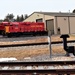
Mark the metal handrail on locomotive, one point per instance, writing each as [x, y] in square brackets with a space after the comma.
[22, 28]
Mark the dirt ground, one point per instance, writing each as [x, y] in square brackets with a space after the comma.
[21, 54]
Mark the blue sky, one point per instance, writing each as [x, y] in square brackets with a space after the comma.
[18, 7]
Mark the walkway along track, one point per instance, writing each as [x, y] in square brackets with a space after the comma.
[47, 67]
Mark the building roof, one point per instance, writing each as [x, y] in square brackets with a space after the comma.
[56, 13]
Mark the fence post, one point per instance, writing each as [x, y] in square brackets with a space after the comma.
[49, 41]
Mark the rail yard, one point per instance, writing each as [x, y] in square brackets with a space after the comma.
[33, 56]
[37, 43]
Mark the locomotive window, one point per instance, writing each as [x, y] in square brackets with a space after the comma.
[27, 24]
[5, 24]
[10, 24]
[16, 25]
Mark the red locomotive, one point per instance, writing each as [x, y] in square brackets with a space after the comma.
[22, 28]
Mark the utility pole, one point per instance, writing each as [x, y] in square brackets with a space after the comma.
[49, 41]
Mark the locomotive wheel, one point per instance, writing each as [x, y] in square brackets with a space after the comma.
[1, 32]
[8, 35]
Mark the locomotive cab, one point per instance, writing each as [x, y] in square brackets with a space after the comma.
[12, 29]
[4, 28]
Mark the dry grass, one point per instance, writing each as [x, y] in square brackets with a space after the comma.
[21, 54]
[57, 38]
[37, 40]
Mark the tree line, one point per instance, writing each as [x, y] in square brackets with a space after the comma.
[10, 18]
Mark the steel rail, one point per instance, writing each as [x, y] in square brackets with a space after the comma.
[31, 44]
[63, 71]
[35, 63]
[38, 71]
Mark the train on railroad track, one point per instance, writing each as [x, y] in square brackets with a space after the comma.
[10, 29]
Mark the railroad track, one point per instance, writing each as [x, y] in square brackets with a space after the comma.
[39, 43]
[37, 68]
[59, 42]
[29, 44]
